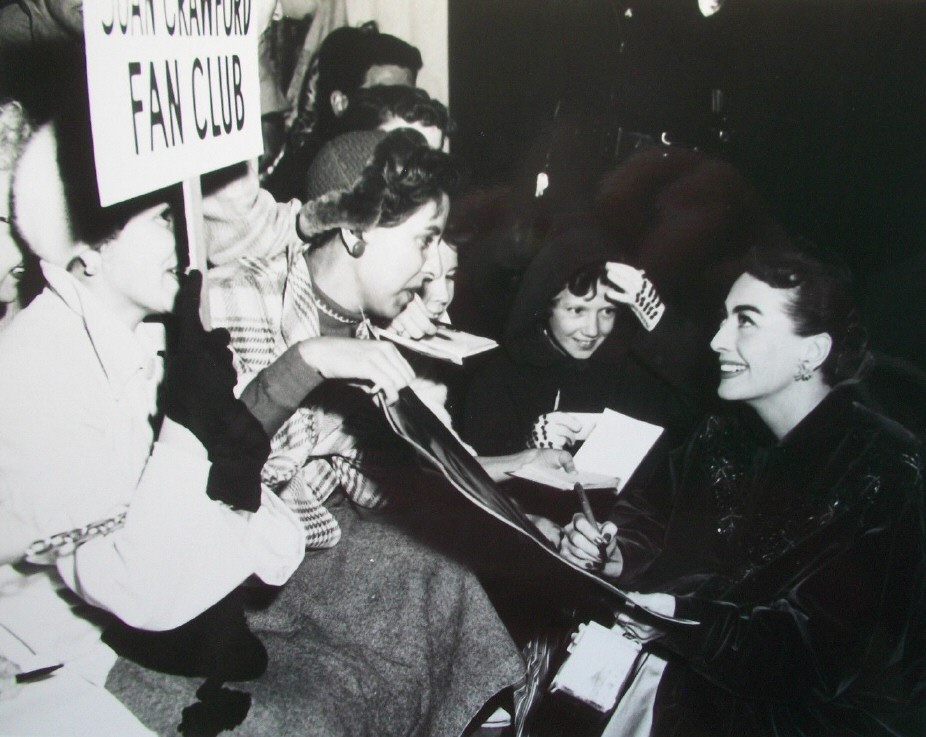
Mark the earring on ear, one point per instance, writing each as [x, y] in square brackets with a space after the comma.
[804, 372]
[355, 244]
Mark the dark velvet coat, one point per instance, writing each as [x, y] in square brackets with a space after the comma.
[803, 562]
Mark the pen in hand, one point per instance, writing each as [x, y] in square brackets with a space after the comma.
[590, 516]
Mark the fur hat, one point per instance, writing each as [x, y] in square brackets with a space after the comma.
[40, 210]
[334, 173]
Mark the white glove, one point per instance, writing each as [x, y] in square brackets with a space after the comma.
[631, 287]
[555, 430]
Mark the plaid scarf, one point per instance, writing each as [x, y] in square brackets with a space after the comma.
[267, 306]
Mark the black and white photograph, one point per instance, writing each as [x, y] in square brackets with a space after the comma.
[462, 368]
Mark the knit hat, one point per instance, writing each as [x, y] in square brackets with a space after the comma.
[335, 172]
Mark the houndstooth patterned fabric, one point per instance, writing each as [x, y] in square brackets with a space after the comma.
[267, 306]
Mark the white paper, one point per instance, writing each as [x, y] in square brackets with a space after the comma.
[559, 479]
[611, 453]
[616, 446]
[600, 661]
[448, 344]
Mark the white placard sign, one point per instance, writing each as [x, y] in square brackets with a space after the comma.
[174, 90]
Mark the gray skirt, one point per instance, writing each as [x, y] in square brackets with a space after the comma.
[378, 636]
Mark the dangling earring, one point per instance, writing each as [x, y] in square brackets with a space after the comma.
[355, 244]
[804, 372]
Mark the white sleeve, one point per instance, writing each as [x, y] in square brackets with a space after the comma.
[179, 552]
[243, 219]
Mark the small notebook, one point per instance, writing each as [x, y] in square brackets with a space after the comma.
[599, 663]
[448, 344]
[609, 456]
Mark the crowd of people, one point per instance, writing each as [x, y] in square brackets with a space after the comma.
[212, 528]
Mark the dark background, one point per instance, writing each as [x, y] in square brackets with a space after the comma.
[824, 113]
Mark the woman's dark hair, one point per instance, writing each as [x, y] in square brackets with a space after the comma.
[404, 175]
[371, 106]
[822, 300]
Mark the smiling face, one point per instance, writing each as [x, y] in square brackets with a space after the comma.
[139, 265]
[581, 324]
[760, 353]
[397, 260]
[437, 293]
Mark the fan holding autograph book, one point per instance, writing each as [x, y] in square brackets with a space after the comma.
[586, 333]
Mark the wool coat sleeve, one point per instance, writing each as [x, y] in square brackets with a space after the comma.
[242, 219]
[178, 552]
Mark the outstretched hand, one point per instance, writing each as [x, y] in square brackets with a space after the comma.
[555, 430]
[376, 365]
[414, 321]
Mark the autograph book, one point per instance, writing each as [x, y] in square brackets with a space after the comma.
[448, 344]
[410, 418]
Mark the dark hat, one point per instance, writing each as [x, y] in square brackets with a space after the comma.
[341, 162]
[334, 173]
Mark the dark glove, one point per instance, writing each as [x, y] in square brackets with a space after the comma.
[217, 644]
[198, 393]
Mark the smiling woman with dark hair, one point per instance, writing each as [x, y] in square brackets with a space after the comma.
[791, 532]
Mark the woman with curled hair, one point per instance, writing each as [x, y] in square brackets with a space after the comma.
[375, 633]
[393, 106]
[789, 530]
[823, 303]
[402, 174]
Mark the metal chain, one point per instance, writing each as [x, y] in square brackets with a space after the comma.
[47, 550]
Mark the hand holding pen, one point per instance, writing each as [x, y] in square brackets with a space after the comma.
[589, 544]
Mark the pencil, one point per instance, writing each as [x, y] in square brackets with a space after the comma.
[586, 505]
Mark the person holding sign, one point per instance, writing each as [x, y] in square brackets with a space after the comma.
[104, 518]
[791, 531]
[376, 633]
